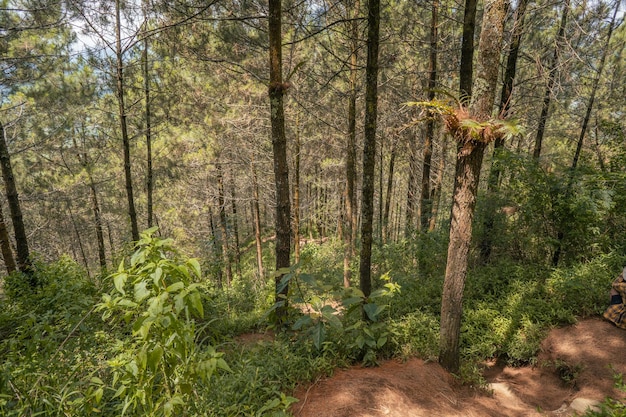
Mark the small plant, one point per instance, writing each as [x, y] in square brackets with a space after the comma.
[154, 372]
[365, 335]
[566, 371]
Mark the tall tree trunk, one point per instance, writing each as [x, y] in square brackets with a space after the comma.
[467, 51]
[119, 53]
[257, 224]
[279, 146]
[411, 191]
[350, 200]
[437, 189]
[95, 208]
[78, 239]
[215, 250]
[392, 162]
[296, 194]
[486, 243]
[552, 71]
[381, 166]
[583, 131]
[369, 148]
[469, 161]
[223, 225]
[5, 245]
[426, 197]
[146, 88]
[21, 242]
[233, 207]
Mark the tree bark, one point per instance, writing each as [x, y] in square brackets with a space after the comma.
[132, 214]
[552, 71]
[148, 114]
[411, 192]
[279, 146]
[296, 194]
[369, 148]
[469, 161]
[381, 166]
[5, 246]
[216, 252]
[21, 242]
[437, 189]
[233, 207]
[257, 224]
[350, 200]
[392, 161]
[78, 239]
[223, 226]
[426, 196]
[467, 51]
[95, 207]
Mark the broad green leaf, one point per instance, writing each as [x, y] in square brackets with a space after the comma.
[120, 391]
[308, 279]
[284, 282]
[381, 341]
[378, 293]
[154, 357]
[276, 305]
[355, 292]
[319, 335]
[138, 257]
[96, 380]
[196, 302]
[120, 280]
[195, 266]
[149, 232]
[350, 301]
[329, 313]
[268, 406]
[316, 302]
[142, 359]
[98, 395]
[141, 292]
[360, 341]
[221, 363]
[372, 311]
[156, 275]
[302, 321]
[176, 287]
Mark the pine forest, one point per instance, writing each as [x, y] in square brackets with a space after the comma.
[349, 181]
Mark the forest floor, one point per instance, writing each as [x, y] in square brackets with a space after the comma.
[575, 368]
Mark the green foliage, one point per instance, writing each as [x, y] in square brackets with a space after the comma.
[154, 355]
[46, 342]
[546, 201]
[357, 321]
[157, 296]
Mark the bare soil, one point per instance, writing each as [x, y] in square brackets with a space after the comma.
[575, 363]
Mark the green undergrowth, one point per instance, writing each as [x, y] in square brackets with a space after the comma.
[157, 338]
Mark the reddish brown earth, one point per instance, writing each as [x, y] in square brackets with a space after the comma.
[587, 354]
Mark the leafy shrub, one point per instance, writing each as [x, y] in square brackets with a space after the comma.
[155, 372]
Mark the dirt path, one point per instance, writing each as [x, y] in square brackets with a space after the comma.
[575, 369]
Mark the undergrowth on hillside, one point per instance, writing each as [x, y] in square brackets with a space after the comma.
[158, 338]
